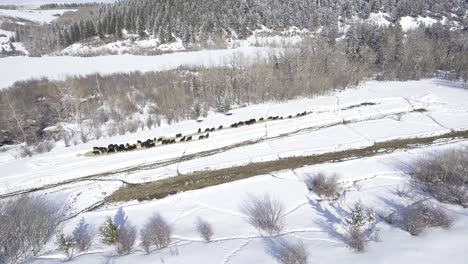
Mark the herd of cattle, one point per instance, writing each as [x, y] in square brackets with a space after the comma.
[202, 134]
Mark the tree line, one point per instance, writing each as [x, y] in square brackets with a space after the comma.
[117, 103]
[213, 22]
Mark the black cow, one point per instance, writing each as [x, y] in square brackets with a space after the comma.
[199, 130]
[96, 152]
[289, 116]
[182, 139]
[178, 135]
[160, 139]
[220, 127]
[261, 119]
[189, 138]
[207, 130]
[207, 135]
[173, 141]
[201, 137]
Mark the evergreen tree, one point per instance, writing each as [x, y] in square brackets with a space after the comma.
[100, 30]
[141, 25]
[118, 29]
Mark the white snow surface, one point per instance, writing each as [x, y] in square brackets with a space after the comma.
[305, 219]
[409, 23]
[22, 68]
[371, 180]
[321, 131]
[379, 18]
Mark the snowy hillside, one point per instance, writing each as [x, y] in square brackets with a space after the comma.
[376, 112]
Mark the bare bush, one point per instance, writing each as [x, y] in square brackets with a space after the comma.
[132, 126]
[323, 185]
[97, 133]
[420, 215]
[264, 213]
[149, 122]
[83, 235]
[122, 128]
[26, 224]
[155, 232]
[286, 252]
[356, 238]
[25, 151]
[205, 229]
[443, 174]
[45, 146]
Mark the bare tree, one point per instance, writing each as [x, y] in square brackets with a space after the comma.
[264, 213]
[15, 115]
[126, 239]
[156, 232]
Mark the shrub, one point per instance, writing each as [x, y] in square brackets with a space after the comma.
[323, 185]
[26, 224]
[45, 146]
[442, 174]
[109, 232]
[97, 133]
[287, 252]
[149, 122]
[126, 239]
[420, 215]
[356, 238]
[205, 229]
[132, 126]
[361, 227]
[157, 232]
[66, 244]
[264, 213]
[361, 216]
[83, 235]
[25, 151]
[119, 232]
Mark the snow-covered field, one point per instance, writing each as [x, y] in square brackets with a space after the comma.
[354, 118]
[39, 16]
[235, 241]
[23, 68]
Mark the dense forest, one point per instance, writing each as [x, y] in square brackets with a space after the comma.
[120, 103]
[209, 23]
